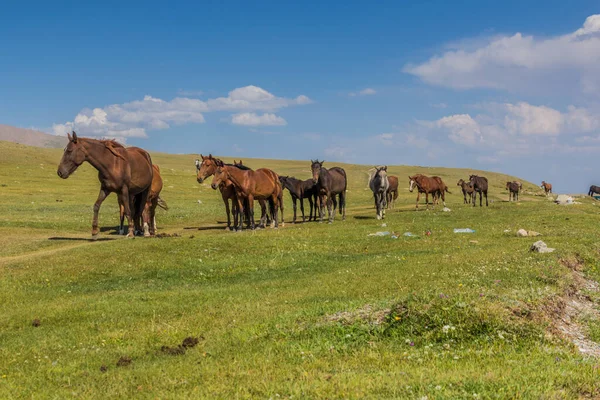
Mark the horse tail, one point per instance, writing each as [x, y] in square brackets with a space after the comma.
[343, 196]
[395, 194]
[447, 191]
[162, 204]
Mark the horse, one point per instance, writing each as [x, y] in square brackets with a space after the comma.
[153, 200]
[262, 184]
[513, 190]
[443, 188]
[379, 185]
[330, 183]
[547, 187]
[480, 185]
[392, 192]
[124, 171]
[594, 190]
[300, 190]
[208, 167]
[467, 188]
[427, 185]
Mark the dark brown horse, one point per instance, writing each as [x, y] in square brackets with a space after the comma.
[300, 190]
[480, 185]
[262, 184]
[513, 190]
[466, 188]
[149, 213]
[427, 185]
[547, 187]
[125, 171]
[329, 184]
[594, 190]
[392, 192]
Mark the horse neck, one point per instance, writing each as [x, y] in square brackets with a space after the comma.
[235, 175]
[96, 155]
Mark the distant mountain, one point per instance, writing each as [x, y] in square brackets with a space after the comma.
[31, 137]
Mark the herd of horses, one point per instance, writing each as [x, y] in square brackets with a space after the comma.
[130, 173]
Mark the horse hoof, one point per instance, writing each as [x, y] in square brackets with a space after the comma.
[95, 236]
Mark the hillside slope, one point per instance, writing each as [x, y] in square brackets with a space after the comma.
[30, 137]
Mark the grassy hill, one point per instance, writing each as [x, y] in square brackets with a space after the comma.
[307, 311]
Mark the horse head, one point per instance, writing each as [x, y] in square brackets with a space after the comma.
[205, 168]
[73, 156]
[219, 176]
[315, 167]
[412, 180]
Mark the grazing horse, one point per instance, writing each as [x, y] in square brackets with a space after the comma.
[262, 184]
[125, 171]
[300, 190]
[594, 190]
[392, 192]
[153, 200]
[427, 185]
[329, 183]
[513, 190]
[467, 188]
[379, 185]
[547, 187]
[480, 185]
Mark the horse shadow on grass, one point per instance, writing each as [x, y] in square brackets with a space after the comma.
[60, 238]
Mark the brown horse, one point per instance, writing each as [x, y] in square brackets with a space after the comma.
[125, 171]
[392, 192]
[513, 190]
[262, 184]
[443, 188]
[300, 190]
[547, 187]
[480, 185]
[427, 185]
[153, 200]
[466, 189]
[330, 183]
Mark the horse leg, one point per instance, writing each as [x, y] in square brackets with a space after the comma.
[121, 218]
[294, 198]
[486, 199]
[251, 211]
[141, 200]
[124, 195]
[302, 209]
[101, 196]
[418, 197]
[330, 201]
[343, 204]
[275, 209]
[310, 215]
[226, 195]
[265, 217]
[153, 216]
[427, 200]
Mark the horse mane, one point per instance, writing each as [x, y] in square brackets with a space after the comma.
[112, 145]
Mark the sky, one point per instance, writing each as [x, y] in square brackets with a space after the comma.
[509, 86]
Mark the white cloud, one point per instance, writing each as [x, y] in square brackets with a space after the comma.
[533, 120]
[520, 62]
[337, 152]
[133, 119]
[252, 119]
[364, 92]
[463, 129]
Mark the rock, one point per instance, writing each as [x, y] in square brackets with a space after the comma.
[522, 233]
[446, 209]
[199, 201]
[563, 199]
[541, 247]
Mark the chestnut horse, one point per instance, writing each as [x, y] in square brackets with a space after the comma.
[330, 183]
[547, 187]
[392, 192]
[467, 188]
[262, 184]
[427, 185]
[125, 171]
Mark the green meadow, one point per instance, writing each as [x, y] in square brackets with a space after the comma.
[305, 311]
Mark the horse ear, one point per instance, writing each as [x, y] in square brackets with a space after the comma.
[74, 137]
[69, 137]
[385, 168]
[241, 162]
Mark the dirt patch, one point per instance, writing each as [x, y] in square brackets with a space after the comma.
[188, 343]
[36, 322]
[167, 235]
[367, 313]
[565, 311]
[173, 351]
[124, 361]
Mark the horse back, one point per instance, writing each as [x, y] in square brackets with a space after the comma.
[338, 179]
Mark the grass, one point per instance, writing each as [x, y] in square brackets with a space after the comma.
[443, 316]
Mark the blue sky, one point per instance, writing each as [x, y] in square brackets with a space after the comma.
[505, 86]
